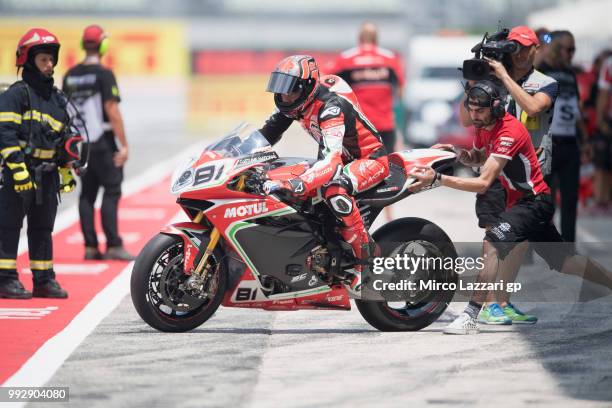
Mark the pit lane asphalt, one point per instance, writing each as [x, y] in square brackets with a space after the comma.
[252, 358]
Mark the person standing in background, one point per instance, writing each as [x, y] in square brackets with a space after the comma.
[602, 139]
[94, 91]
[543, 35]
[567, 129]
[376, 75]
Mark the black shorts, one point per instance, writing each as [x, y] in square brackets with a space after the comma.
[530, 219]
[490, 204]
[388, 139]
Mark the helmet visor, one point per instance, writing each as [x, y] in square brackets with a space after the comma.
[281, 83]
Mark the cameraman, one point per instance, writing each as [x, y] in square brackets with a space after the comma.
[531, 99]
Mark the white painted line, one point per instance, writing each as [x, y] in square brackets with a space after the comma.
[141, 213]
[44, 363]
[26, 313]
[76, 238]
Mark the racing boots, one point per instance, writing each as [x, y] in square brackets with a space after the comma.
[369, 250]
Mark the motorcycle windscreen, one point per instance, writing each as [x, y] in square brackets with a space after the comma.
[281, 83]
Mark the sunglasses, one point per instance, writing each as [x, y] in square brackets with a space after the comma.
[569, 49]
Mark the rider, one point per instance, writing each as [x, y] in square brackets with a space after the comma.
[351, 158]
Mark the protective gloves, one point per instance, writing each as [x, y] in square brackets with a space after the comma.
[67, 181]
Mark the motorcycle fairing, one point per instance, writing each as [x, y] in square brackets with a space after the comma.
[193, 235]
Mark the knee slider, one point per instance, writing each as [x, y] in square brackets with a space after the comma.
[341, 205]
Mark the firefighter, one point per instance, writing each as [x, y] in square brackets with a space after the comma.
[34, 127]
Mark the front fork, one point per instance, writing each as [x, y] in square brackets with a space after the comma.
[202, 268]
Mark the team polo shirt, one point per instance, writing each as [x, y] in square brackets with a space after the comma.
[510, 140]
[373, 73]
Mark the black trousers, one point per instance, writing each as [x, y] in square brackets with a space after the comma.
[101, 172]
[41, 218]
[565, 176]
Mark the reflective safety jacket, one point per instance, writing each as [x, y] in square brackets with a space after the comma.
[30, 126]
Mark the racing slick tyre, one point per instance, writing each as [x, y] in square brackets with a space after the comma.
[158, 286]
[414, 236]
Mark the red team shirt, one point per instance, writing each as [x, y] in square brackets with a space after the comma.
[373, 73]
[510, 140]
[605, 83]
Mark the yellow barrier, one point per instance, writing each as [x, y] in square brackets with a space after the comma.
[137, 47]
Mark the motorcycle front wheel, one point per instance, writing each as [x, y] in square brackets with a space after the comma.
[158, 287]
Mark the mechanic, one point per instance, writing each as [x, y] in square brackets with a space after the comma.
[567, 128]
[602, 138]
[94, 90]
[351, 157]
[34, 127]
[502, 146]
[531, 99]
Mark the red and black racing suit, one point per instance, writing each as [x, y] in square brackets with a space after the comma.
[351, 156]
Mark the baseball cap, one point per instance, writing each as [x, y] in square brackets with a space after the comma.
[523, 35]
[93, 34]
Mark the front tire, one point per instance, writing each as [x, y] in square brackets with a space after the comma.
[412, 316]
[155, 290]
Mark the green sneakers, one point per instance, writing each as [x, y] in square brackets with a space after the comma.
[517, 316]
[493, 314]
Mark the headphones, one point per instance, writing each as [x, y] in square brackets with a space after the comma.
[497, 107]
[103, 43]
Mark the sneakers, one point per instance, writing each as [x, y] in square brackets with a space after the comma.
[92, 254]
[11, 288]
[118, 254]
[464, 324]
[493, 314]
[49, 289]
[518, 317]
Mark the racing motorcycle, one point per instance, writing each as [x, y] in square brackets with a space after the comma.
[243, 248]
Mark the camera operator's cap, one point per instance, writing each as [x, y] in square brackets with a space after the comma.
[524, 36]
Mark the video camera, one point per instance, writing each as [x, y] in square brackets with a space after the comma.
[494, 46]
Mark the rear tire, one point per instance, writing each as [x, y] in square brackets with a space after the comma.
[154, 287]
[412, 317]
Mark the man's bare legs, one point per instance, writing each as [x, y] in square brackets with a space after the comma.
[508, 271]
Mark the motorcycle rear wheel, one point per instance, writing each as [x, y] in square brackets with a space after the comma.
[413, 316]
[155, 290]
